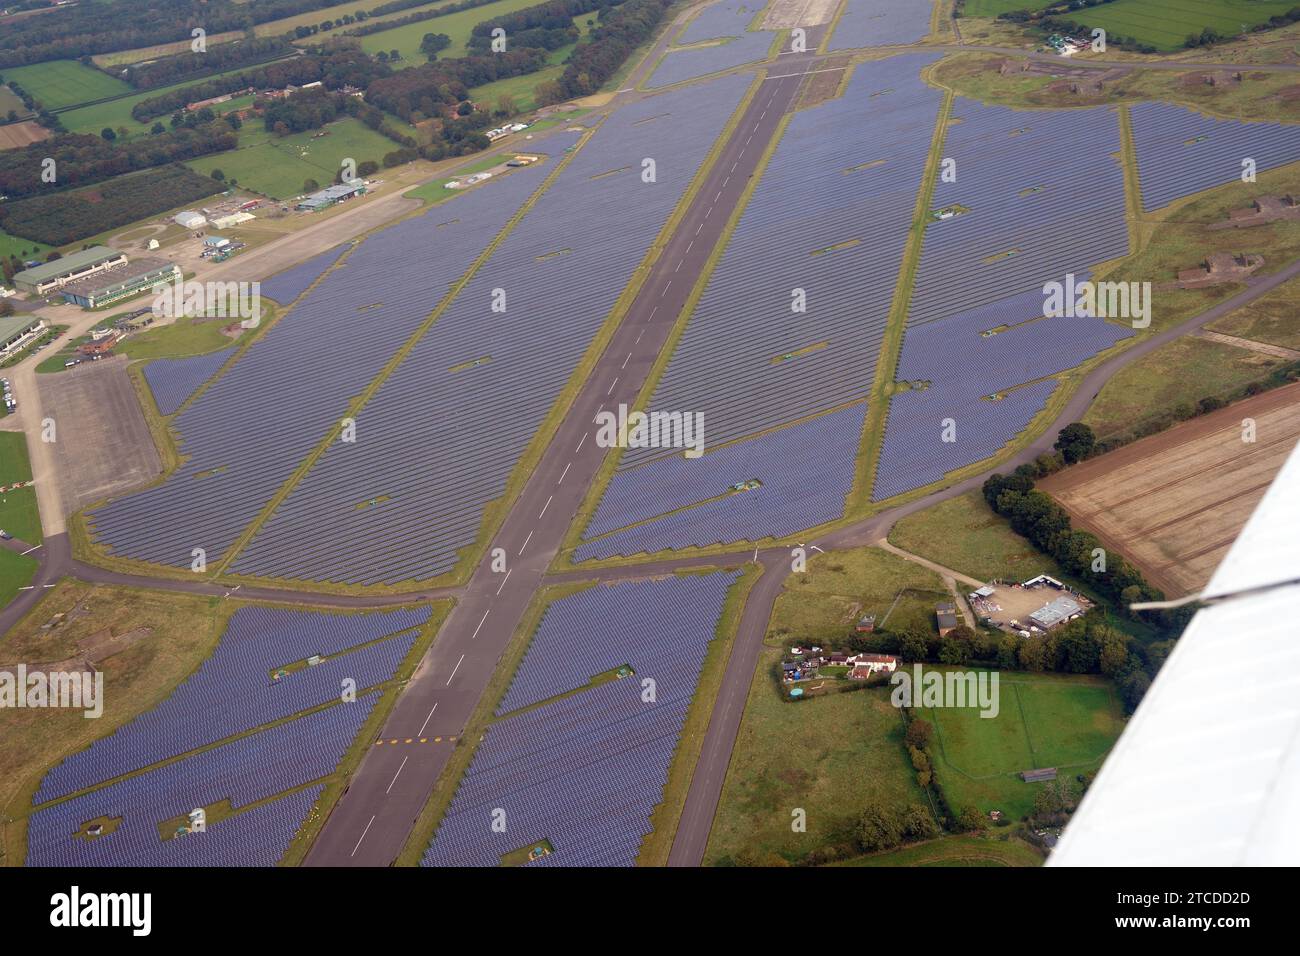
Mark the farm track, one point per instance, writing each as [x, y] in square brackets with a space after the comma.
[372, 820]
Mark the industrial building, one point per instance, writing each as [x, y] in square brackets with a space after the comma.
[1055, 612]
[331, 195]
[120, 282]
[190, 219]
[74, 266]
[17, 332]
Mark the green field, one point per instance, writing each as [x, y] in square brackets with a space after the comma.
[61, 83]
[991, 8]
[433, 192]
[1181, 372]
[15, 573]
[1165, 24]
[278, 167]
[1270, 318]
[1044, 720]
[117, 113]
[9, 101]
[19, 515]
[842, 586]
[828, 756]
[22, 248]
[962, 850]
[182, 337]
[406, 39]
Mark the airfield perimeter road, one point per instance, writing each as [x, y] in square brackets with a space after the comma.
[371, 822]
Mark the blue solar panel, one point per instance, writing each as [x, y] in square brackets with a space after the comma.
[234, 691]
[586, 771]
[1180, 151]
[172, 381]
[286, 286]
[243, 772]
[881, 23]
[440, 438]
[805, 470]
[680, 65]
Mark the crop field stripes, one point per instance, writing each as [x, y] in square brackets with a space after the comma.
[1181, 152]
[578, 765]
[315, 348]
[470, 433]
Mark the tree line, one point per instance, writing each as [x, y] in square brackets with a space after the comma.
[169, 70]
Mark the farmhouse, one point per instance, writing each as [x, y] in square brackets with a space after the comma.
[864, 665]
[72, 267]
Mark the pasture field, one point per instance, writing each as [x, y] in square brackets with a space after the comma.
[18, 512]
[159, 50]
[117, 113]
[406, 39]
[16, 572]
[58, 84]
[959, 850]
[1173, 503]
[1184, 371]
[839, 587]
[184, 337]
[964, 533]
[279, 166]
[1165, 24]
[22, 248]
[1270, 319]
[827, 755]
[1044, 720]
[992, 8]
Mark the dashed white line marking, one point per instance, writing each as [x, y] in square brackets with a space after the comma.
[435, 706]
[611, 387]
[522, 546]
[580, 441]
[501, 585]
[471, 637]
[698, 228]
[638, 337]
[679, 266]
[566, 467]
[396, 775]
[363, 836]
[544, 507]
[629, 354]
[734, 165]
[30, 550]
[462, 657]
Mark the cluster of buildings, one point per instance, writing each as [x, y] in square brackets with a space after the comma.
[19, 331]
[805, 663]
[506, 130]
[1005, 607]
[332, 195]
[95, 277]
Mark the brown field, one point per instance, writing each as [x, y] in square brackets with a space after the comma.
[14, 135]
[1173, 503]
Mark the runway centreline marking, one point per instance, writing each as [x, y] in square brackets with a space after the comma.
[396, 775]
[435, 703]
[504, 580]
[471, 637]
[363, 835]
[461, 661]
[566, 467]
[544, 507]
[524, 545]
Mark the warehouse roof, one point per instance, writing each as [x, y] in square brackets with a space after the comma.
[15, 325]
[115, 276]
[69, 263]
[1053, 613]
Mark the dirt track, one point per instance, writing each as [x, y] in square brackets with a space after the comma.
[1174, 503]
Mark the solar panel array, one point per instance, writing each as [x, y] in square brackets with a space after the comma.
[1180, 151]
[246, 433]
[233, 690]
[286, 286]
[680, 65]
[806, 471]
[607, 626]
[172, 381]
[243, 771]
[963, 368]
[442, 435]
[725, 18]
[881, 23]
[843, 172]
[585, 771]
[1045, 195]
